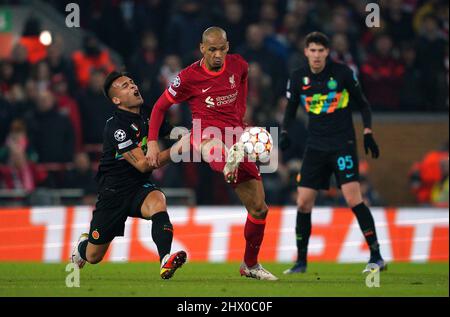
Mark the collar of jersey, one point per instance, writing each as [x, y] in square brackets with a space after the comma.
[202, 64]
[127, 113]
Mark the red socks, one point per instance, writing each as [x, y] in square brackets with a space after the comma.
[254, 234]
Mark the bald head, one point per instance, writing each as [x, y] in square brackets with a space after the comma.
[214, 33]
[214, 48]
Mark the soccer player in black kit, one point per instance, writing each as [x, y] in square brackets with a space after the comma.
[324, 89]
[123, 180]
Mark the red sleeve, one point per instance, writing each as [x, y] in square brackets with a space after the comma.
[156, 118]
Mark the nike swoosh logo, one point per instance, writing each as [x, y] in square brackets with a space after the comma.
[205, 90]
[349, 175]
[306, 87]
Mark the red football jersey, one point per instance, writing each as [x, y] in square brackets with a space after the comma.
[217, 98]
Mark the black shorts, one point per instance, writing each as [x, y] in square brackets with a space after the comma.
[318, 167]
[112, 210]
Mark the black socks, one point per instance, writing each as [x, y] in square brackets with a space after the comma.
[303, 232]
[162, 233]
[367, 225]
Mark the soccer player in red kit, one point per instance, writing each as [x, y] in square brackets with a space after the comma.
[216, 90]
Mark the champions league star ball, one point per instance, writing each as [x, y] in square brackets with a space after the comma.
[257, 143]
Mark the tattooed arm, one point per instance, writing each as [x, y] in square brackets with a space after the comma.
[136, 158]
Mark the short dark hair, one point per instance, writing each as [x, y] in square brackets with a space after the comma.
[317, 38]
[109, 80]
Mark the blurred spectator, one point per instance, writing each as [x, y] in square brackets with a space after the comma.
[439, 192]
[6, 76]
[41, 75]
[91, 58]
[68, 106]
[412, 94]
[431, 54]
[36, 51]
[169, 70]
[118, 26]
[429, 7]
[6, 117]
[60, 65]
[21, 65]
[95, 109]
[233, 23]
[382, 76]
[260, 96]
[17, 161]
[304, 13]
[82, 176]
[399, 21]
[151, 15]
[16, 96]
[177, 114]
[297, 58]
[340, 52]
[428, 176]
[185, 29]
[144, 67]
[50, 132]
[370, 195]
[255, 51]
[341, 24]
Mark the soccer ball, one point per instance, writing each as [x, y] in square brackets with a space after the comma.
[257, 143]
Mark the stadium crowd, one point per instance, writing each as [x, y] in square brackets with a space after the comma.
[52, 110]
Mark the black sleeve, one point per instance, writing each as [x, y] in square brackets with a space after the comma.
[293, 96]
[357, 95]
[122, 138]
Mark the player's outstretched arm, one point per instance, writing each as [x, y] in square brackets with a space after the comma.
[137, 158]
[156, 119]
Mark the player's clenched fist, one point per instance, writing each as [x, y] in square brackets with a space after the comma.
[152, 154]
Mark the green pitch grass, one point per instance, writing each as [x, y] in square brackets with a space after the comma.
[221, 280]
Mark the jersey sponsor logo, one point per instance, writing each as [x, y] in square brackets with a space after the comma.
[205, 90]
[225, 100]
[210, 102]
[306, 87]
[221, 100]
[329, 103]
[232, 82]
[176, 82]
[120, 135]
[125, 144]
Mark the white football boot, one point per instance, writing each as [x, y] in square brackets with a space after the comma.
[76, 258]
[235, 156]
[257, 272]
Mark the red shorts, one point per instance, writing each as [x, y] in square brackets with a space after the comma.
[247, 170]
